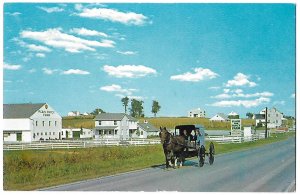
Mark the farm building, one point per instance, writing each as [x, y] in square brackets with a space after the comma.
[114, 125]
[74, 113]
[30, 122]
[76, 133]
[196, 113]
[220, 117]
[144, 130]
[233, 115]
[274, 118]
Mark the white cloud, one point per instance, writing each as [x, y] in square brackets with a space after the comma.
[40, 55]
[128, 71]
[32, 70]
[32, 47]
[49, 71]
[78, 7]
[293, 95]
[279, 102]
[214, 88]
[127, 52]
[238, 94]
[11, 66]
[129, 18]
[37, 48]
[87, 32]
[57, 39]
[13, 14]
[51, 9]
[118, 89]
[199, 75]
[240, 80]
[75, 71]
[245, 103]
[130, 96]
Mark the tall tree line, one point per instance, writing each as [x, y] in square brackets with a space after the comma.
[137, 108]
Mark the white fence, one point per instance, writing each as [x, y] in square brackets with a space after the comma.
[234, 139]
[68, 144]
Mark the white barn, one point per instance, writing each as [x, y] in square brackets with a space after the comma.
[220, 117]
[30, 122]
[196, 113]
[76, 133]
[144, 130]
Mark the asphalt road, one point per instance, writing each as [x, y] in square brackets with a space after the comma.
[270, 168]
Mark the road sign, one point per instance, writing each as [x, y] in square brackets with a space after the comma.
[236, 127]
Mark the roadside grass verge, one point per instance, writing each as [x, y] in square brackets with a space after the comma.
[34, 169]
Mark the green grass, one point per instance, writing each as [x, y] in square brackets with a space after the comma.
[29, 170]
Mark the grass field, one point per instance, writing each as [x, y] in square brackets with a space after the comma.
[30, 170]
[169, 122]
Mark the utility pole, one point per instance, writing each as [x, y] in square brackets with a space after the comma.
[266, 123]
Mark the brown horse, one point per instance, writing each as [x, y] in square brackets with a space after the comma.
[173, 147]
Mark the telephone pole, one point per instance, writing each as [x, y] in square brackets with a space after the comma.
[266, 123]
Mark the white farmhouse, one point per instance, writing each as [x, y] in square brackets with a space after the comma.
[274, 118]
[220, 117]
[196, 113]
[114, 125]
[30, 122]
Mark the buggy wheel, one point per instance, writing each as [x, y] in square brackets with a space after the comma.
[201, 156]
[211, 153]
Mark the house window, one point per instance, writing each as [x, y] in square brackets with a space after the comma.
[49, 133]
[36, 123]
[115, 122]
[49, 123]
[109, 132]
[37, 134]
[45, 133]
[43, 123]
[116, 132]
[53, 133]
[42, 134]
[55, 123]
[62, 133]
[142, 132]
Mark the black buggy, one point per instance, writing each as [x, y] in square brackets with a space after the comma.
[192, 149]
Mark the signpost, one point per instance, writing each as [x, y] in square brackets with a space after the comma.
[236, 127]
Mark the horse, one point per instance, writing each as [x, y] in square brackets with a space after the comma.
[173, 147]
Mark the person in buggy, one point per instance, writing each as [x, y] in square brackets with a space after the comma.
[197, 139]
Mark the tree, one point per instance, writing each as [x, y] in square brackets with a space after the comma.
[97, 111]
[155, 107]
[125, 101]
[137, 109]
[249, 115]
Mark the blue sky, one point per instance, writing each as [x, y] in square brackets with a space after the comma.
[219, 57]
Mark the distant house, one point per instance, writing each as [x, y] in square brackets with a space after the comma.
[274, 118]
[114, 125]
[76, 133]
[144, 130]
[196, 113]
[233, 115]
[74, 113]
[30, 122]
[220, 117]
